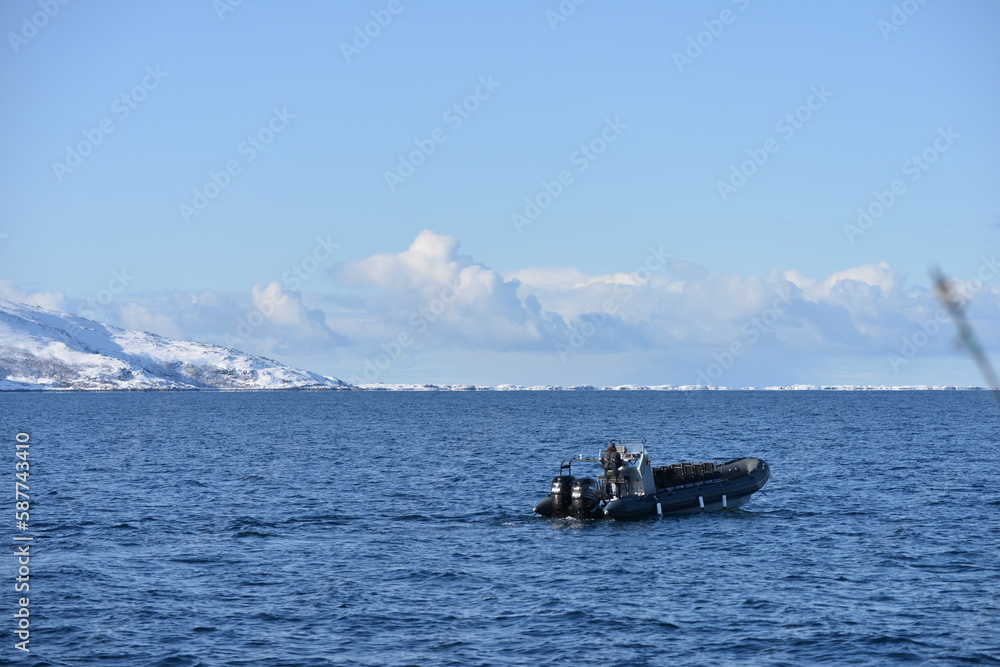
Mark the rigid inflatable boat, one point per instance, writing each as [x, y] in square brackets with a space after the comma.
[633, 488]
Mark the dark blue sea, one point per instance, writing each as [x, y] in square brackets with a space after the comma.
[371, 528]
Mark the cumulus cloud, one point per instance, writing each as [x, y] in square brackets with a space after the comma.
[660, 303]
[860, 310]
[287, 315]
[662, 307]
[440, 294]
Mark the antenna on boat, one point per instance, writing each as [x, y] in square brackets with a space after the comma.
[953, 304]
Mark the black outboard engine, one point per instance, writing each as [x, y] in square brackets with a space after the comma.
[562, 490]
[586, 497]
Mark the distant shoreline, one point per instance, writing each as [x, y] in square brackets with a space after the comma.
[499, 388]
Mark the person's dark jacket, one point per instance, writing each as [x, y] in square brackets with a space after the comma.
[611, 459]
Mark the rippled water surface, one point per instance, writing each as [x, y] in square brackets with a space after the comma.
[369, 528]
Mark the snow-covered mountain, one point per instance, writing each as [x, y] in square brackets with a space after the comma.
[45, 349]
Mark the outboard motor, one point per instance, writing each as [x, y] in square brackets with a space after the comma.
[562, 490]
[586, 497]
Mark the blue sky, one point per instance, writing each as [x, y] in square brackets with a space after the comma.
[597, 193]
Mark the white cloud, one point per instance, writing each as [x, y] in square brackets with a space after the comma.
[674, 314]
[863, 310]
[441, 295]
[51, 300]
[678, 303]
[287, 316]
[142, 318]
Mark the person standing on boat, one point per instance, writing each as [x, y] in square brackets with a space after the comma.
[611, 459]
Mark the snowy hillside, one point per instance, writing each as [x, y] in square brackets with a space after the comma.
[45, 349]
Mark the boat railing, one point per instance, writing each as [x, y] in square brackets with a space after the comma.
[617, 485]
[611, 484]
[566, 465]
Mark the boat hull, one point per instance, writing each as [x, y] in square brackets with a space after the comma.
[719, 494]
